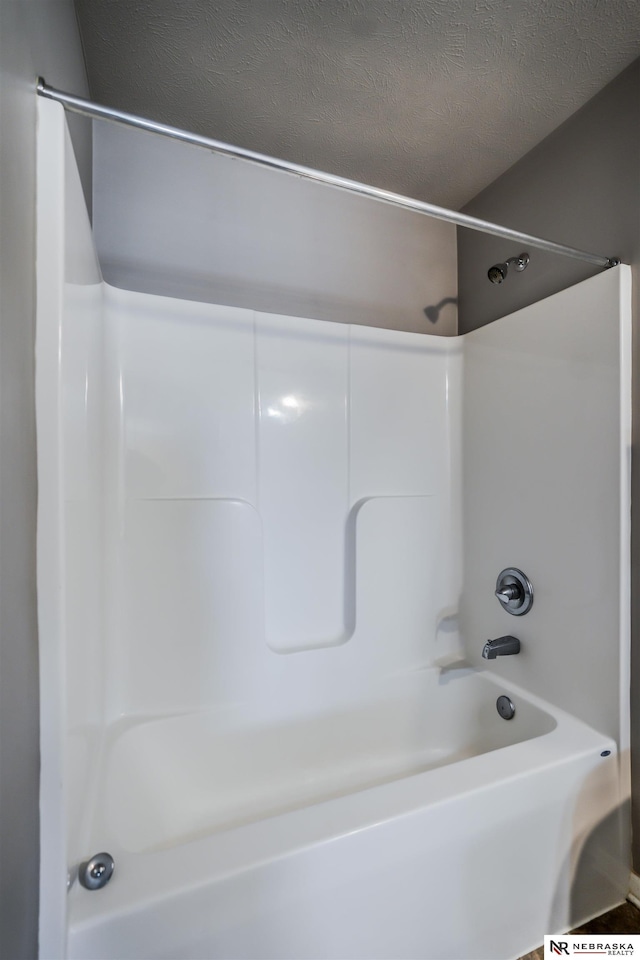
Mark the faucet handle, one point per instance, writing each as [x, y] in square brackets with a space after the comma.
[514, 591]
[509, 591]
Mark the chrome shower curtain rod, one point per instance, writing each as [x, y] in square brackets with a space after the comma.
[94, 110]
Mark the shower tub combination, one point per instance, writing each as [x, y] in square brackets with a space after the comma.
[262, 685]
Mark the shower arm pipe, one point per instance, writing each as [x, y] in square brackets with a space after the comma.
[96, 111]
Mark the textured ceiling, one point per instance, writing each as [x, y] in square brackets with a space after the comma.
[432, 98]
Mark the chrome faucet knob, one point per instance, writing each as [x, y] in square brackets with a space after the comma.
[510, 591]
[514, 591]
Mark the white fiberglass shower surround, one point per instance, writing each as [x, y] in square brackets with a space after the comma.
[268, 548]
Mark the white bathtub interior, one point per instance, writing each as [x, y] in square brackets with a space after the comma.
[254, 556]
[174, 779]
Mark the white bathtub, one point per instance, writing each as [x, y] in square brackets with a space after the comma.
[359, 834]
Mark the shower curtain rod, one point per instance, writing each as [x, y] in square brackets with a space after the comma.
[98, 112]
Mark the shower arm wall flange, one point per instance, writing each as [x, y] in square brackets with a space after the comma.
[518, 263]
[96, 111]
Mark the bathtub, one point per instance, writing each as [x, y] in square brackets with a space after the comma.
[378, 831]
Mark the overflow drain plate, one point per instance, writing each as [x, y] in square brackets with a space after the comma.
[505, 708]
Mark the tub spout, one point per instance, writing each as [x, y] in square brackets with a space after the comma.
[502, 647]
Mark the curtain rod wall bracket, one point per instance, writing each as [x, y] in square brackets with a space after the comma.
[96, 111]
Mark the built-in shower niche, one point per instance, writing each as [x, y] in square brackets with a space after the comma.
[284, 488]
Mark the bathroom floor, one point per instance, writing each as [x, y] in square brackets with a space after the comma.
[622, 919]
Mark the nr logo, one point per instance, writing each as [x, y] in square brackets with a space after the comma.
[559, 947]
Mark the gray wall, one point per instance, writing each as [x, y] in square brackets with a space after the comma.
[580, 186]
[175, 220]
[36, 36]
